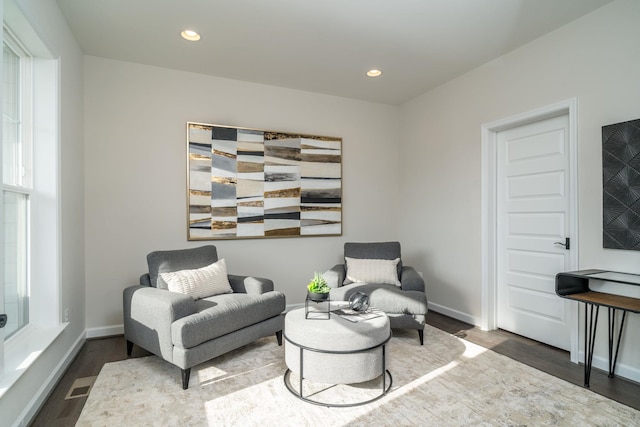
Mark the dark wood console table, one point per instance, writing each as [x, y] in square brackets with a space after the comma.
[574, 285]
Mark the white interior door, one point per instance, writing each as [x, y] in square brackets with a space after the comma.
[533, 214]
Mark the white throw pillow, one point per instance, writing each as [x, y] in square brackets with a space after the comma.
[373, 270]
[200, 283]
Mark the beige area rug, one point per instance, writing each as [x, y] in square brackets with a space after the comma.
[448, 382]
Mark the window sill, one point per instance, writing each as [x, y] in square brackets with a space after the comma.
[21, 351]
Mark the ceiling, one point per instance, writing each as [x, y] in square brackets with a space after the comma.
[321, 46]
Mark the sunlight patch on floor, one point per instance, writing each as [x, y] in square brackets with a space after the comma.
[472, 350]
[425, 378]
[213, 374]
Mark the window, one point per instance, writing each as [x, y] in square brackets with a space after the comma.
[29, 206]
[16, 182]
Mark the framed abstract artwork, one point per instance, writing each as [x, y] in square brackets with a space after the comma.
[250, 183]
[621, 185]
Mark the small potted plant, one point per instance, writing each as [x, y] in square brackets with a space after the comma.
[317, 289]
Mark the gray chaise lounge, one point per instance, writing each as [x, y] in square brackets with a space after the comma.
[406, 305]
[187, 332]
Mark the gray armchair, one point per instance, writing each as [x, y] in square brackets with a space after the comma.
[187, 332]
[406, 305]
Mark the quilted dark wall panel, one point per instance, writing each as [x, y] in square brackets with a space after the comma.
[621, 185]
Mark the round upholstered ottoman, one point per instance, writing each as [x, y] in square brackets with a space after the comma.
[336, 350]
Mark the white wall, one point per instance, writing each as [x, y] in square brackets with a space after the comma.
[135, 133]
[20, 402]
[594, 59]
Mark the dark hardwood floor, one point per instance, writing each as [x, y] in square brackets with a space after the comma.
[58, 411]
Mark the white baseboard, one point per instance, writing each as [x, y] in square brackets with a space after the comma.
[31, 410]
[622, 370]
[105, 331]
[459, 315]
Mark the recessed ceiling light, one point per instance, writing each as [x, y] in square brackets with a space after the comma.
[190, 35]
[374, 73]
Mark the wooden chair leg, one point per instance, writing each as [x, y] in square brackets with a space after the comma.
[129, 348]
[421, 335]
[186, 373]
[279, 337]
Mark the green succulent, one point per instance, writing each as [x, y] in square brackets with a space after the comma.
[318, 285]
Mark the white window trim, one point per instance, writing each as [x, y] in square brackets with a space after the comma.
[46, 323]
[26, 116]
[24, 186]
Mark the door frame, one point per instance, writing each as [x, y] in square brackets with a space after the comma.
[489, 208]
